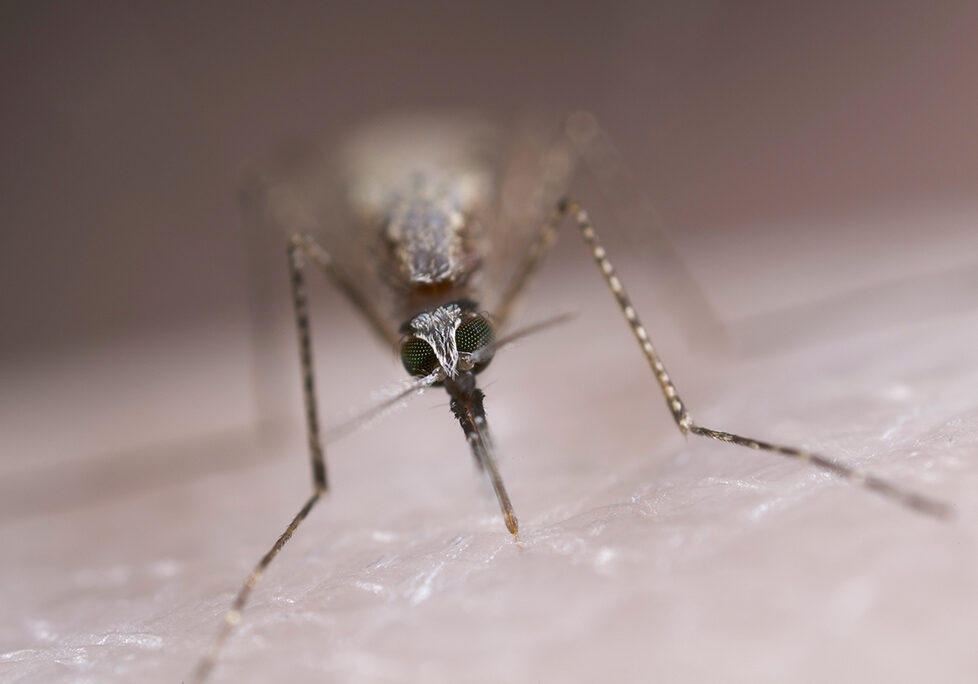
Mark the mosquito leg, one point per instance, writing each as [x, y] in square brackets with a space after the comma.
[233, 616]
[297, 249]
[344, 284]
[296, 252]
[677, 408]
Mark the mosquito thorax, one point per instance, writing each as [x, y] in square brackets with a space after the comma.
[453, 338]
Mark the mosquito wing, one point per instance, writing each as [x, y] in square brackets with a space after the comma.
[299, 191]
[538, 165]
[544, 160]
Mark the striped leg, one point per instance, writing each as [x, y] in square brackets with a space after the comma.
[233, 616]
[299, 247]
[680, 415]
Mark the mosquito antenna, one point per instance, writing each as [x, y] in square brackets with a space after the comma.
[491, 349]
[412, 388]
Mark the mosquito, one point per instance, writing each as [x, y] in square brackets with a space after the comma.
[431, 225]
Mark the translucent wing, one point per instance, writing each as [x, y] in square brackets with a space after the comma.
[299, 190]
[648, 240]
[539, 163]
[543, 161]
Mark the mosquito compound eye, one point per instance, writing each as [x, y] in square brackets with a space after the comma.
[474, 334]
[418, 357]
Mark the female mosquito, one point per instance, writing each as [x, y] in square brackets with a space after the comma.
[432, 224]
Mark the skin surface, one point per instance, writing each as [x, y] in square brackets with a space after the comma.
[643, 554]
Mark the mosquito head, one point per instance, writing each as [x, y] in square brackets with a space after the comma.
[452, 339]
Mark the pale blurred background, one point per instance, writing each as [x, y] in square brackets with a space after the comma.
[815, 163]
